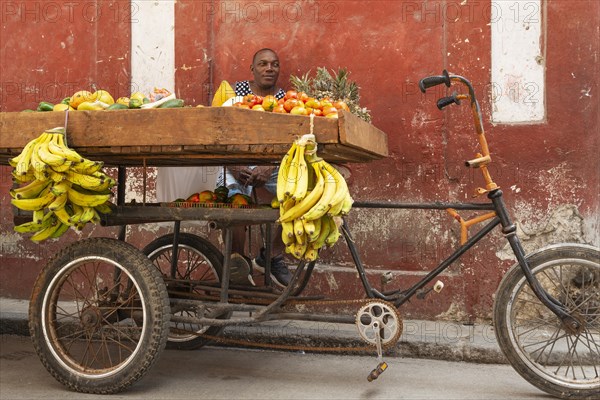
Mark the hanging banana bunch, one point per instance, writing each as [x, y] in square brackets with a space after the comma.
[311, 193]
[60, 187]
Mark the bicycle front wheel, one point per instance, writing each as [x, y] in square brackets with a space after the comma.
[564, 364]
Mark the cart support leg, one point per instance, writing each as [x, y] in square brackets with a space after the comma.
[226, 266]
[175, 255]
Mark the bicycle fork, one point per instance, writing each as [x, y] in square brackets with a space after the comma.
[509, 229]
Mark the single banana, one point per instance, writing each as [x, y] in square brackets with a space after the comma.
[28, 227]
[38, 166]
[85, 181]
[311, 253]
[28, 177]
[341, 187]
[87, 215]
[63, 215]
[299, 232]
[317, 231]
[59, 202]
[60, 188]
[87, 167]
[57, 146]
[24, 159]
[322, 206]
[76, 215]
[334, 233]
[46, 233]
[56, 177]
[60, 230]
[38, 216]
[64, 167]
[299, 249]
[86, 200]
[291, 177]
[48, 157]
[32, 226]
[323, 233]
[37, 203]
[287, 233]
[283, 171]
[336, 209]
[346, 205]
[310, 230]
[308, 202]
[30, 191]
[301, 177]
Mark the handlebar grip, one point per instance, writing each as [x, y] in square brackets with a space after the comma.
[435, 80]
[446, 101]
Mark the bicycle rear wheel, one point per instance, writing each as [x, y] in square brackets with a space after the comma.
[198, 261]
[564, 364]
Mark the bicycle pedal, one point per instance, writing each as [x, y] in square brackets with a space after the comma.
[377, 371]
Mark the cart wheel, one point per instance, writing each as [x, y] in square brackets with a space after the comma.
[99, 315]
[198, 261]
[564, 364]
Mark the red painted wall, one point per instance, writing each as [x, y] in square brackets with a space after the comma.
[387, 46]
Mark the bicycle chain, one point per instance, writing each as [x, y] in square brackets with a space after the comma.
[258, 344]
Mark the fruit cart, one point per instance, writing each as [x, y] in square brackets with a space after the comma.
[102, 311]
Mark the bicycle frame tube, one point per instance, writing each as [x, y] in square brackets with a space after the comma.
[399, 297]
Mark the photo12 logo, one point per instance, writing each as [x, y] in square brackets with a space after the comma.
[67, 11]
[269, 11]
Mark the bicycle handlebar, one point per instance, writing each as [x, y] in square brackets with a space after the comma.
[435, 80]
[483, 159]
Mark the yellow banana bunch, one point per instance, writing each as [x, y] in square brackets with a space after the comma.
[55, 180]
[312, 195]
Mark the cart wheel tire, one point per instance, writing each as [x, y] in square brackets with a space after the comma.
[565, 365]
[99, 316]
[198, 260]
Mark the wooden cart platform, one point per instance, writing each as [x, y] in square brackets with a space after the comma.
[193, 136]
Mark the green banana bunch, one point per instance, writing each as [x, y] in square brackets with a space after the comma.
[61, 188]
[312, 196]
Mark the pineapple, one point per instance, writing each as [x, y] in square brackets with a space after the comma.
[336, 86]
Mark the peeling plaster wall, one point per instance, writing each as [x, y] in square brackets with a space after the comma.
[549, 171]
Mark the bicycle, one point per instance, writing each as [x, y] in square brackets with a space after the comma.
[101, 310]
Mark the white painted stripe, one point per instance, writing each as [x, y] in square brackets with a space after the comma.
[153, 45]
[518, 63]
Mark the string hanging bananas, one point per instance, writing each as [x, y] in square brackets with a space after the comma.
[313, 196]
[61, 188]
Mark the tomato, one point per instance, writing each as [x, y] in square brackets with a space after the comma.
[279, 109]
[258, 107]
[257, 100]
[248, 99]
[291, 94]
[313, 103]
[299, 110]
[332, 115]
[269, 102]
[318, 112]
[289, 104]
[246, 106]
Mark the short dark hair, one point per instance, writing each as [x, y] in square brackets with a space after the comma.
[260, 51]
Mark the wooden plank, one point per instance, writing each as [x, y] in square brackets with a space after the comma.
[361, 135]
[239, 136]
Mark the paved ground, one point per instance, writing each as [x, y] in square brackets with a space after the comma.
[219, 373]
[420, 339]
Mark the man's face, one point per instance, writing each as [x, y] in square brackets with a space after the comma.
[265, 68]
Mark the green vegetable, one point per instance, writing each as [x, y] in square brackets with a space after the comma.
[174, 103]
[117, 106]
[45, 106]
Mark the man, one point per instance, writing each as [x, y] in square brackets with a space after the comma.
[265, 71]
